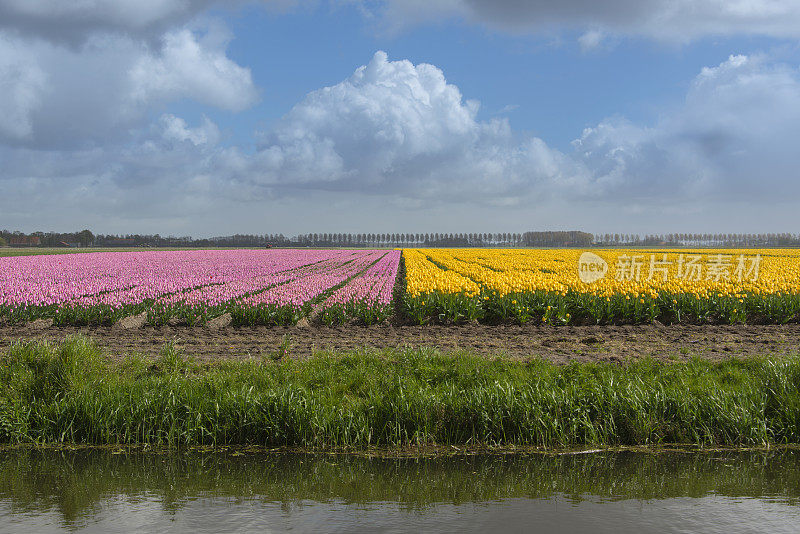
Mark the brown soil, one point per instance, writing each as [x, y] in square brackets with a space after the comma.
[132, 321]
[557, 344]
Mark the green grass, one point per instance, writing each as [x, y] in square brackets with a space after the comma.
[72, 393]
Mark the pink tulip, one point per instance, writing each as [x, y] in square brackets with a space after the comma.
[197, 278]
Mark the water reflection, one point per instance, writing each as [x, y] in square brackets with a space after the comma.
[100, 491]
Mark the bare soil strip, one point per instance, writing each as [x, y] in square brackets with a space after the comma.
[556, 344]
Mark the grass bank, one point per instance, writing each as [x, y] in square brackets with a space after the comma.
[72, 393]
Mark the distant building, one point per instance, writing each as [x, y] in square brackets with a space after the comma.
[24, 241]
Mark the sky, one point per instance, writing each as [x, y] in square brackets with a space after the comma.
[204, 118]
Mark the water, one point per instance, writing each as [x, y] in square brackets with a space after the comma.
[100, 491]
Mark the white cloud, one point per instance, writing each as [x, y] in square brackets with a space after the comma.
[398, 134]
[175, 129]
[59, 97]
[192, 67]
[395, 128]
[508, 108]
[661, 19]
[733, 138]
[591, 40]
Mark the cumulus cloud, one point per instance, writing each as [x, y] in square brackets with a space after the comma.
[661, 19]
[400, 134]
[192, 68]
[59, 97]
[395, 127]
[732, 138]
[164, 173]
[175, 129]
[91, 72]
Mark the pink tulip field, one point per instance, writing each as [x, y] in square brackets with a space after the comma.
[349, 302]
[192, 287]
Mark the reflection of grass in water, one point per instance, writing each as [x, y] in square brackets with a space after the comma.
[76, 483]
[73, 393]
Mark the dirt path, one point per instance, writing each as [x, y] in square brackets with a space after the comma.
[558, 344]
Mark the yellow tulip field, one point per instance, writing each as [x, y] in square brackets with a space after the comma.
[602, 286]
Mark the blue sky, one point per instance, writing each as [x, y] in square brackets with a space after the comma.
[446, 115]
[554, 86]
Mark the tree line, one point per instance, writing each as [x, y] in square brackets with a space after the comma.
[82, 238]
[411, 239]
[700, 240]
[86, 238]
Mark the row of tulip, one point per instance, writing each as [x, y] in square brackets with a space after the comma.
[187, 286]
[121, 278]
[282, 298]
[366, 298]
[570, 286]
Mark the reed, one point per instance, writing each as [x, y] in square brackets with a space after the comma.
[73, 393]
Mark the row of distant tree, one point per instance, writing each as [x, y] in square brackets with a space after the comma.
[433, 240]
[86, 238]
[700, 240]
